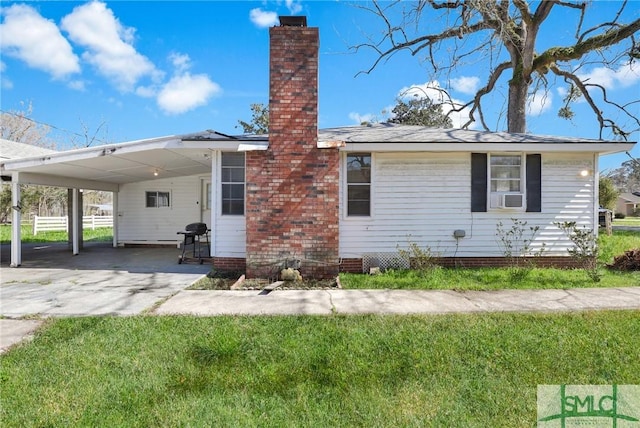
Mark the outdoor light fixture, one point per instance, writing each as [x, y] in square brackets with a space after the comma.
[584, 173]
[155, 173]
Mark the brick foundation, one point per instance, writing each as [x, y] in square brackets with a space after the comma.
[234, 264]
[292, 188]
[356, 265]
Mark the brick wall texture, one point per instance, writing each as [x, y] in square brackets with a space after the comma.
[292, 188]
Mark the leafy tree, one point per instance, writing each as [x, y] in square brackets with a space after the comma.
[259, 123]
[607, 193]
[503, 34]
[420, 111]
[626, 178]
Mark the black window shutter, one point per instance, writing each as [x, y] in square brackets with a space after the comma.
[534, 183]
[478, 182]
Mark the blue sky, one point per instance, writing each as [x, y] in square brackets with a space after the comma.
[152, 68]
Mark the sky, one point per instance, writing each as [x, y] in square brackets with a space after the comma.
[123, 70]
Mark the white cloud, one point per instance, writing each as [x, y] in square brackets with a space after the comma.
[624, 77]
[108, 44]
[262, 18]
[77, 85]
[4, 82]
[37, 41]
[146, 91]
[293, 6]
[361, 118]
[539, 103]
[186, 92]
[466, 85]
[181, 62]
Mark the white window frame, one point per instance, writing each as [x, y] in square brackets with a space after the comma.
[492, 196]
[244, 183]
[157, 192]
[346, 184]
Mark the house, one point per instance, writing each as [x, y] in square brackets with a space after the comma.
[333, 199]
[628, 204]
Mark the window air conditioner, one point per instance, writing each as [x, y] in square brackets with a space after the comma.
[511, 200]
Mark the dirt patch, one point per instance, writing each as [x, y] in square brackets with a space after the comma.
[224, 281]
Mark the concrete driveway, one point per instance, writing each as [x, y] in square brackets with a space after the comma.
[101, 280]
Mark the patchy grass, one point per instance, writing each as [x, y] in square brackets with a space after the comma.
[616, 244]
[487, 279]
[102, 234]
[452, 370]
[504, 278]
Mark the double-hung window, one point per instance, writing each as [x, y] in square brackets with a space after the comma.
[155, 199]
[506, 181]
[359, 184]
[232, 183]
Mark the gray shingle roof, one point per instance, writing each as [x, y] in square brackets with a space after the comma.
[388, 133]
[15, 150]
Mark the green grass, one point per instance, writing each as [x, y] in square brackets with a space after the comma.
[627, 221]
[504, 278]
[334, 371]
[102, 234]
[487, 279]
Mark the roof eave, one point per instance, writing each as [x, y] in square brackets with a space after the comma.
[602, 148]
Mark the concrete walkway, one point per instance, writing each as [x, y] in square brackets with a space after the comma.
[325, 302]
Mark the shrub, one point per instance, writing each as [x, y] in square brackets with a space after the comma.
[585, 247]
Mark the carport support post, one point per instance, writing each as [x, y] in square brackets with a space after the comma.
[73, 213]
[76, 220]
[16, 219]
[114, 214]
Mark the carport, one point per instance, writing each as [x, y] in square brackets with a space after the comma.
[101, 280]
[107, 167]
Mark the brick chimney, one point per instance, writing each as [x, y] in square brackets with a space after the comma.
[292, 188]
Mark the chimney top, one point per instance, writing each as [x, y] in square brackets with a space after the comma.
[293, 21]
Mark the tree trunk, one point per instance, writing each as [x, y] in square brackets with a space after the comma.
[516, 110]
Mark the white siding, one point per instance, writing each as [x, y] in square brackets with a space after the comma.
[140, 224]
[424, 197]
[229, 230]
[136, 222]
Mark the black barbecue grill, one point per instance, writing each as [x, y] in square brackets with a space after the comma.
[195, 235]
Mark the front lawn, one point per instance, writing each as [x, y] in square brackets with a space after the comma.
[364, 371]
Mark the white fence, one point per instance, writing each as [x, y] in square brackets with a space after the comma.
[43, 224]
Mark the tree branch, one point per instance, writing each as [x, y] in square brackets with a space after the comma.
[493, 78]
[602, 121]
[608, 38]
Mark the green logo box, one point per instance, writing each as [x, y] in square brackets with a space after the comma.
[616, 406]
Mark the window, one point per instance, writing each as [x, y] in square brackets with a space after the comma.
[359, 184]
[157, 199]
[505, 178]
[232, 183]
[207, 197]
[506, 181]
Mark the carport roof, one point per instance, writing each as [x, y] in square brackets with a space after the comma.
[107, 166]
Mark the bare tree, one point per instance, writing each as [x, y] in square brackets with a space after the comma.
[17, 125]
[503, 34]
